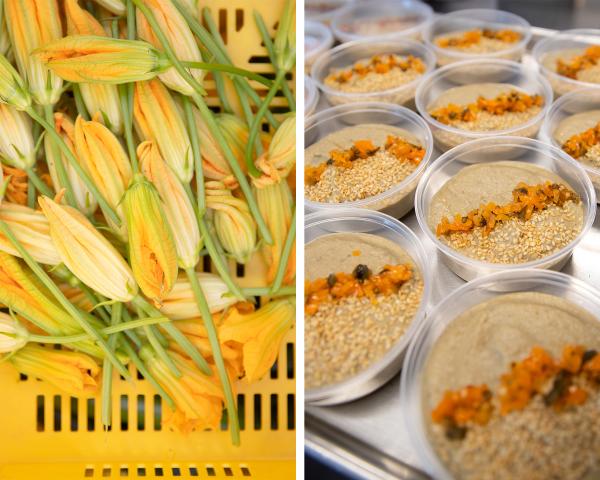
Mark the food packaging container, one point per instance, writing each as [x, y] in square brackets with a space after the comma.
[374, 223]
[382, 19]
[346, 55]
[480, 71]
[494, 149]
[443, 314]
[323, 10]
[472, 19]
[311, 96]
[317, 39]
[572, 103]
[398, 200]
[549, 48]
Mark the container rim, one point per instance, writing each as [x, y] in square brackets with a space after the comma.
[323, 32]
[514, 142]
[321, 61]
[410, 381]
[312, 97]
[346, 390]
[398, 110]
[426, 14]
[518, 20]
[434, 75]
[537, 54]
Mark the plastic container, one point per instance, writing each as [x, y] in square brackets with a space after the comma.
[476, 19]
[572, 103]
[49, 435]
[344, 56]
[480, 71]
[547, 51]
[465, 297]
[317, 39]
[311, 96]
[382, 19]
[398, 200]
[357, 220]
[323, 10]
[494, 149]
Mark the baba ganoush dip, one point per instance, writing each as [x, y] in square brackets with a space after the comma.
[581, 64]
[362, 292]
[579, 136]
[506, 212]
[510, 390]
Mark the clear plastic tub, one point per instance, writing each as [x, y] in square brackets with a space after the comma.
[398, 200]
[480, 71]
[346, 55]
[311, 96]
[382, 19]
[323, 10]
[548, 50]
[357, 220]
[317, 39]
[494, 149]
[579, 101]
[465, 297]
[472, 19]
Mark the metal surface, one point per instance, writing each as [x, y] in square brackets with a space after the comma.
[368, 437]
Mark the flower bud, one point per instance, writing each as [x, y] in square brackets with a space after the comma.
[84, 199]
[16, 141]
[13, 335]
[94, 59]
[12, 88]
[152, 251]
[157, 118]
[176, 204]
[30, 26]
[4, 39]
[233, 221]
[285, 39]
[87, 254]
[180, 38]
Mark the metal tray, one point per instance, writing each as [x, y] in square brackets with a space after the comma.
[367, 438]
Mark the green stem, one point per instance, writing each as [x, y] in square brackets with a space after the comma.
[218, 67]
[196, 154]
[79, 103]
[126, 95]
[266, 291]
[39, 184]
[217, 355]
[258, 120]
[106, 208]
[63, 178]
[59, 295]
[107, 370]
[161, 352]
[31, 195]
[285, 254]
[266, 38]
[122, 327]
[222, 93]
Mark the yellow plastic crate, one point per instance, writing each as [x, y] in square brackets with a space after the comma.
[46, 435]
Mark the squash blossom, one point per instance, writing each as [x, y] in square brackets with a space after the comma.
[85, 201]
[158, 118]
[285, 39]
[32, 230]
[104, 159]
[233, 221]
[16, 141]
[12, 88]
[176, 204]
[13, 335]
[180, 38]
[198, 398]
[261, 333]
[87, 254]
[152, 251]
[95, 59]
[72, 372]
[4, 39]
[181, 303]
[98, 97]
[32, 24]
[113, 6]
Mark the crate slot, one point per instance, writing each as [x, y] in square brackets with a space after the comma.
[228, 472]
[39, 406]
[74, 423]
[159, 472]
[257, 411]
[193, 472]
[241, 405]
[88, 472]
[124, 471]
[106, 471]
[22, 377]
[291, 411]
[274, 371]
[239, 270]
[210, 471]
[289, 355]
[141, 471]
[157, 413]
[223, 24]
[246, 472]
[239, 19]
[176, 471]
[274, 412]
[91, 414]
[259, 59]
[141, 412]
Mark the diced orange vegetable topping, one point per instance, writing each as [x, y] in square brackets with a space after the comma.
[511, 102]
[527, 199]
[379, 64]
[572, 358]
[473, 37]
[570, 69]
[356, 253]
[470, 404]
[578, 145]
[360, 283]
[312, 175]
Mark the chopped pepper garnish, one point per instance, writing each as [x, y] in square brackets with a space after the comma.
[360, 283]
[379, 64]
[571, 69]
[578, 145]
[527, 199]
[510, 102]
[457, 408]
[472, 37]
